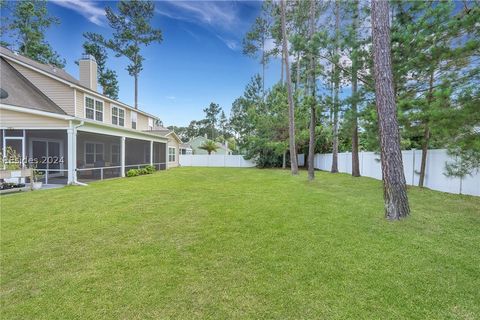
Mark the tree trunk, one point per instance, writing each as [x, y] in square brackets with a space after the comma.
[423, 163]
[291, 111]
[263, 67]
[394, 186]
[284, 160]
[136, 91]
[426, 136]
[281, 74]
[297, 83]
[336, 89]
[355, 157]
[313, 118]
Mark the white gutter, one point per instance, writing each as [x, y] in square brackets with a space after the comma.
[36, 112]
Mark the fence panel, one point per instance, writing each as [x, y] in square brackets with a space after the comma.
[215, 160]
[435, 178]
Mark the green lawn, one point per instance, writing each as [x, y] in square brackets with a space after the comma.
[235, 244]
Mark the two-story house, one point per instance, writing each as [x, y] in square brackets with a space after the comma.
[66, 128]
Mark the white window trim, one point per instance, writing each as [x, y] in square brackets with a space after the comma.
[94, 108]
[131, 119]
[174, 154]
[150, 123]
[112, 106]
[94, 154]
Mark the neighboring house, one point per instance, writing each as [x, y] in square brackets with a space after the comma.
[174, 143]
[196, 142]
[71, 130]
[185, 148]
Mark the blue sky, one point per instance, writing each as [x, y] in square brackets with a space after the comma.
[199, 61]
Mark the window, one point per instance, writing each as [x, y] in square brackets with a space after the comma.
[172, 154]
[93, 109]
[150, 124]
[115, 153]
[118, 116]
[93, 152]
[134, 120]
[89, 108]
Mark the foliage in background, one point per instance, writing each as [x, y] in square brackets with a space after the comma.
[209, 146]
[107, 78]
[131, 30]
[23, 27]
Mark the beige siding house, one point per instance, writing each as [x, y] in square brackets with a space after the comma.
[173, 144]
[67, 129]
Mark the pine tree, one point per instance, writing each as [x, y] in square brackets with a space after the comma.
[131, 30]
[291, 107]
[313, 89]
[394, 185]
[336, 88]
[106, 77]
[211, 118]
[26, 26]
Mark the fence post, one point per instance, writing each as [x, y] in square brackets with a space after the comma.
[101, 173]
[361, 163]
[413, 168]
[461, 182]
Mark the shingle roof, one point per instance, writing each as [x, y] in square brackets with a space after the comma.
[55, 71]
[61, 74]
[185, 145]
[23, 93]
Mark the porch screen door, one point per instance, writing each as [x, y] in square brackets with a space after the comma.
[49, 156]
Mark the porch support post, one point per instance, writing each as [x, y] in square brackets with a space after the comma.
[151, 153]
[4, 147]
[166, 155]
[74, 155]
[24, 149]
[122, 156]
[72, 150]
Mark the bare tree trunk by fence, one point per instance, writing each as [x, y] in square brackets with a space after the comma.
[291, 107]
[394, 185]
[313, 109]
[336, 99]
[355, 160]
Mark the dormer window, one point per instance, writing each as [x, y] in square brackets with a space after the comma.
[93, 109]
[118, 116]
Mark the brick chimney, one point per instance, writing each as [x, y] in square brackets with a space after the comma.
[88, 71]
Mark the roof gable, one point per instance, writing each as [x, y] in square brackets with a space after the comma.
[22, 93]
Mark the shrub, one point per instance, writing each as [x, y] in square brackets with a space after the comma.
[150, 169]
[137, 172]
[133, 173]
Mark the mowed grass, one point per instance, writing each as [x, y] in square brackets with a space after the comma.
[236, 244]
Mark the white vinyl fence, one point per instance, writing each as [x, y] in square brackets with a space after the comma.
[215, 160]
[435, 171]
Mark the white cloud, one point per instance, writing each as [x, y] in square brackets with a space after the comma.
[220, 17]
[214, 13]
[231, 44]
[88, 9]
